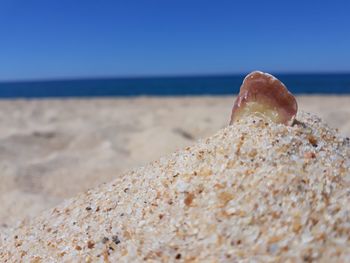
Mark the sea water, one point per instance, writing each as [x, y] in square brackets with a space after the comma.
[168, 86]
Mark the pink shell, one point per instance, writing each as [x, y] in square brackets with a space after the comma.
[266, 89]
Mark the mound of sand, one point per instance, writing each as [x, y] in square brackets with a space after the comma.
[51, 150]
[253, 191]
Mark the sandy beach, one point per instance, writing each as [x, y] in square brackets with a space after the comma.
[51, 150]
[253, 191]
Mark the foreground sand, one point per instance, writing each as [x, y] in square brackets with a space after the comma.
[54, 149]
[255, 191]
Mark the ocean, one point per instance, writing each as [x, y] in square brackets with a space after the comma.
[168, 86]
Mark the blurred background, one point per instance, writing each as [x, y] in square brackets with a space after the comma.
[94, 48]
[90, 89]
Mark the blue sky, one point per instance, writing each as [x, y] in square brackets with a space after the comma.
[82, 38]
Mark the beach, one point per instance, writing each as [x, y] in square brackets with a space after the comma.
[174, 131]
[253, 191]
[52, 150]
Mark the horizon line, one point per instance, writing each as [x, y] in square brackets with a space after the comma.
[150, 76]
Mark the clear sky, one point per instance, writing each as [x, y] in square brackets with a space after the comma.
[83, 38]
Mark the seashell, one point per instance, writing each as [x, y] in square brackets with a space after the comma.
[264, 95]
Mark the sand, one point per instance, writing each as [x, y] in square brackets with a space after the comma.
[51, 150]
[254, 191]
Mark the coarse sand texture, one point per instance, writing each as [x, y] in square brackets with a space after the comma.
[255, 191]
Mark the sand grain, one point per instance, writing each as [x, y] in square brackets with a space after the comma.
[253, 191]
